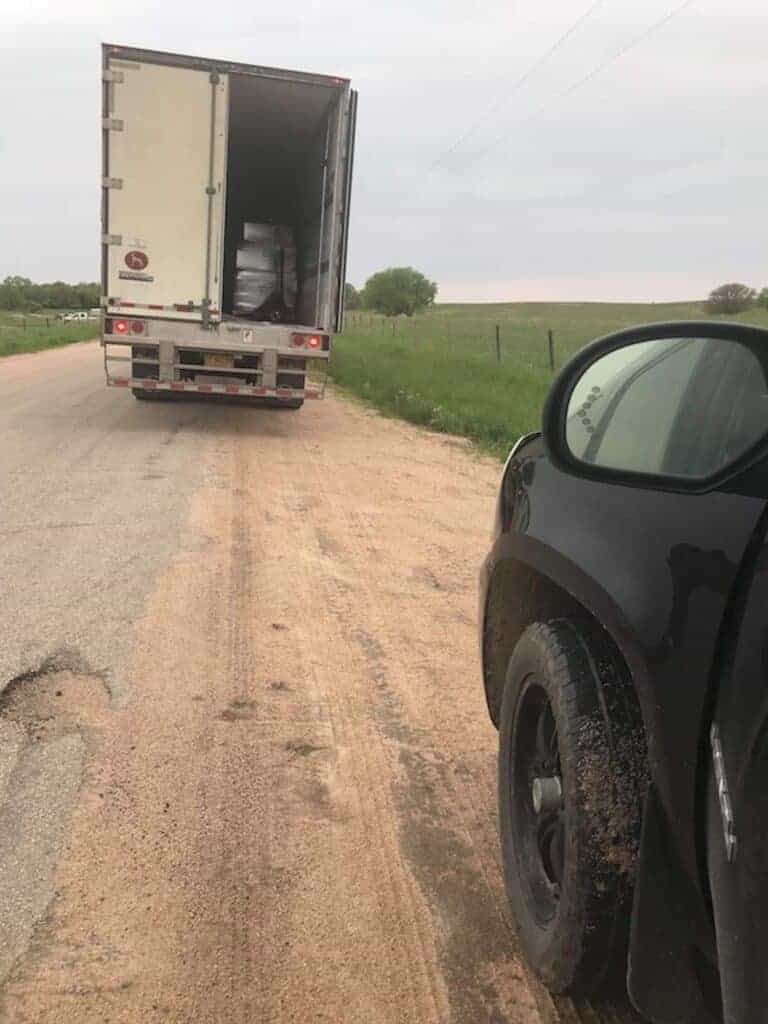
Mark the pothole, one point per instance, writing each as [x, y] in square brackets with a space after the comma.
[49, 720]
[61, 696]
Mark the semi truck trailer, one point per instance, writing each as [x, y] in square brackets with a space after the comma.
[225, 216]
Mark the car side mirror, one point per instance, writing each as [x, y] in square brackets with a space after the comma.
[678, 406]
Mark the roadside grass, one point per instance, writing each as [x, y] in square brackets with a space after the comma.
[440, 369]
[30, 334]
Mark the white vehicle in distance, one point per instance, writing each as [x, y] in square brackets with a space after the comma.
[80, 315]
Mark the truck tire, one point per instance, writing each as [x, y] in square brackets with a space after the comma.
[145, 395]
[571, 776]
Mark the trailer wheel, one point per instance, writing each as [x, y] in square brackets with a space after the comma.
[571, 776]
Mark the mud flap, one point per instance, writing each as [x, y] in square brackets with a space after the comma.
[661, 978]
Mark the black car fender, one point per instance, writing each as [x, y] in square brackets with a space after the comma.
[662, 603]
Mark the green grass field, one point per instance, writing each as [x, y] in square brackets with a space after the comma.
[440, 370]
[30, 333]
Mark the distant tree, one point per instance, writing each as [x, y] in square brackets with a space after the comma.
[730, 298]
[762, 298]
[19, 293]
[398, 290]
[351, 297]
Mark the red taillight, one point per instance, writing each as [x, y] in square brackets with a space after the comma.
[307, 340]
[119, 326]
[137, 326]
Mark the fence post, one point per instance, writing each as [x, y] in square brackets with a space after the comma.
[551, 338]
[394, 325]
[498, 345]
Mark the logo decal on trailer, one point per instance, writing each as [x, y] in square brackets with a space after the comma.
[134, 275]
[136, 260]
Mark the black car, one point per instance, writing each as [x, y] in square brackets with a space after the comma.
[624, 634]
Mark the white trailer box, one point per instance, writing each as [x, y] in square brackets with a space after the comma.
[197, 155]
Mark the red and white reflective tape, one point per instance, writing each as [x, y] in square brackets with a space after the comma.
[212, 389]
[177, 307]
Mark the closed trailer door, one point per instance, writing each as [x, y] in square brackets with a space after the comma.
[163, 190]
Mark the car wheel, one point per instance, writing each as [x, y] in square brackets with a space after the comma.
[570, 788]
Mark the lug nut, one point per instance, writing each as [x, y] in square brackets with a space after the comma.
[547, 794]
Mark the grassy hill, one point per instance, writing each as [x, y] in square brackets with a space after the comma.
[440, 369]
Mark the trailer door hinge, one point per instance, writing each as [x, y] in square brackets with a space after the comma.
[116, 77]
[210, 190]
[214, 78]
[111, 182]
[112, 124]
[112, 239]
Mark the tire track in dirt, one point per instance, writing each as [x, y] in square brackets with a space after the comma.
[356, 773]
[435, 838]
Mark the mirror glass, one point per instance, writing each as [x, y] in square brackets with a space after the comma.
[678, 407]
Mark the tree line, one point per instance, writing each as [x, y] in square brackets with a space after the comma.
[394, 292]
[19, 293]
[402, 291]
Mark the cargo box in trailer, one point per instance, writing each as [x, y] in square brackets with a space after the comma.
[225, 216]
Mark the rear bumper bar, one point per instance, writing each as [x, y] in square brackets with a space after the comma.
[213, 389]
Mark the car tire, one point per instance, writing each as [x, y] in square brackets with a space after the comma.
[571, 779]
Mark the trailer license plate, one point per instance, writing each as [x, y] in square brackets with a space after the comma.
[214, 359]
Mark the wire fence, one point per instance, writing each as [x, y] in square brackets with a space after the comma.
[23, 322]
[539, 336]
[501, 340]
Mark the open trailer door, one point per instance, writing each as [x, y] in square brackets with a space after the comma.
[334, 222]
[346, 197]
[164, 172]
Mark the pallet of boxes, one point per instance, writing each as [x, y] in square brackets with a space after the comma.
[265, 274]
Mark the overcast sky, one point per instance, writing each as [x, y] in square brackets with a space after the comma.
[648, 182]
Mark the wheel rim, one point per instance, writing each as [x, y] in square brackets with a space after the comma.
[536, 802]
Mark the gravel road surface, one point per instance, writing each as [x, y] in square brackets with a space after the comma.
[246, 770]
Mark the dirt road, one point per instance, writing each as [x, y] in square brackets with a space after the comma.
[246, 769]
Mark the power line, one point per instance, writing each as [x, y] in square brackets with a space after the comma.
[635, 41]
[495, 104]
